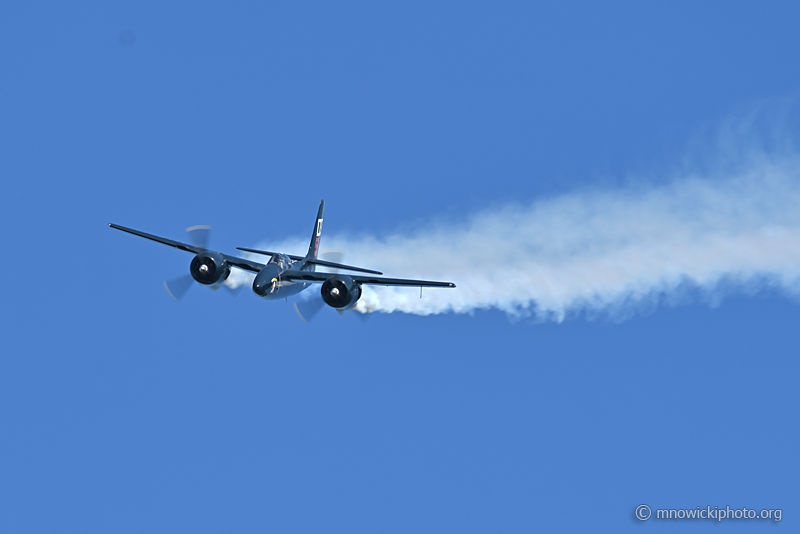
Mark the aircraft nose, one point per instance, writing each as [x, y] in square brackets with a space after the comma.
[259, 289]
[262, 286]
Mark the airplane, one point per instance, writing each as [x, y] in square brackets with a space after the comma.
[283, 275]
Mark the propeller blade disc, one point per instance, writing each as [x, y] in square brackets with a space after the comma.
[334, 256]
[199, 235]
[307, 309]
[177, 287]
[232, 292]
[364, 317]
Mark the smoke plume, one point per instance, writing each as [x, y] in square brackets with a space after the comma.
[597, 251]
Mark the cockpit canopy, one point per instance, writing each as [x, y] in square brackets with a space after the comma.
[281, 260]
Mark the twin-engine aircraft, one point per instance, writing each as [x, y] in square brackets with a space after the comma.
[283, 275]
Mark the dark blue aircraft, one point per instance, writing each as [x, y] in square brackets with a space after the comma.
[283, 275]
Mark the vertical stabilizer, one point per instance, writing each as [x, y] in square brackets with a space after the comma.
[313, 248]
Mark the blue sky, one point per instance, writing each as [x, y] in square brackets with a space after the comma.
[123, 411]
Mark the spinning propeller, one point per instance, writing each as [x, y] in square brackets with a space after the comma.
[307, 309]
[178, 287]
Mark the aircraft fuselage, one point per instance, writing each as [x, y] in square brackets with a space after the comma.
[268, 283]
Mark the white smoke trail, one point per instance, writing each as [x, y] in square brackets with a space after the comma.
[595, 251]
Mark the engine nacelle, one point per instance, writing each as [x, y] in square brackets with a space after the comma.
[340, 291]
[208, 268]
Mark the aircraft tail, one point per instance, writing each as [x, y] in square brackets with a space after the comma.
[313, 248]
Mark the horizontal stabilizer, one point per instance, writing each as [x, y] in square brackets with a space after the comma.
[342, 266]
[315, 261]
[268, 253]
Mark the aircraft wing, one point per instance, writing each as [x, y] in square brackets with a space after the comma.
[245, 265]
[241, 263]
[305, 276]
